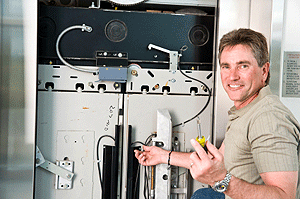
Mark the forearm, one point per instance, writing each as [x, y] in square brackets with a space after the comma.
[180, 159]
[153, 155]
[239, 189]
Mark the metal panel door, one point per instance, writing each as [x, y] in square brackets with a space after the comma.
[69, 125]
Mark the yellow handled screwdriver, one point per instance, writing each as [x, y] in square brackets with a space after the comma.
[201, 139]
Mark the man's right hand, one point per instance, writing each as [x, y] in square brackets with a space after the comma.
[152, 155]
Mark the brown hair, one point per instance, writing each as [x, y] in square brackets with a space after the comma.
[255, 40]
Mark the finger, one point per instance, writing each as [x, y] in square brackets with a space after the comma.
[142, 159]
[139, 156]
[199, 149]
[146, 148]
[195, 158]
[136, 153]
[210, 155]
[213, 150]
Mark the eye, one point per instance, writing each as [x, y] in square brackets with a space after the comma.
[224, 67]
[244, 66]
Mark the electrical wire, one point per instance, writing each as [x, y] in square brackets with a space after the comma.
[84, 28]
[146, 178]
[136, 179]
[98, 159]
[137, 142]
[146, 184]
[149, 139]
[206, 104]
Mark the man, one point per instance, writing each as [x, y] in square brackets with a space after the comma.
[259, 157]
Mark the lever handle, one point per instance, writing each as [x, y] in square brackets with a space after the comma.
[150, 46]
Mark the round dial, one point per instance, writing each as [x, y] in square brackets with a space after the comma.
[126, 2]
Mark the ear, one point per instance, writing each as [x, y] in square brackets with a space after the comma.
[265, 70]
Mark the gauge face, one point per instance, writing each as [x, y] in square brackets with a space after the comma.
[199, 35]
[126, 2]
[116, 30]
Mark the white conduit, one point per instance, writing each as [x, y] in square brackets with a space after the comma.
[84, 28]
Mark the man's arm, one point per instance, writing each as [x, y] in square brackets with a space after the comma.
[153, 155]
[278, 185]
[208, 171]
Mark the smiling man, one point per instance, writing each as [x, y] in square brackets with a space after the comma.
[259, 157]
[241, 76]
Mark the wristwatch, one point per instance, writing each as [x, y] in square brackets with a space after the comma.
[222, 185]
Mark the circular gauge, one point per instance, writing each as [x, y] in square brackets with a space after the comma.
[116, 30]
[199, 35]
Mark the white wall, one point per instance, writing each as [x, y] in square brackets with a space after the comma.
[234, 14]
[291, 42]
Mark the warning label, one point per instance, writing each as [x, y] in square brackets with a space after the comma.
[291, 75]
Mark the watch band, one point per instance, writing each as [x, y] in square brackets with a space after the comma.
[222, 185]
[169, 159]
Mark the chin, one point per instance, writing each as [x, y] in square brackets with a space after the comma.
[234, 97]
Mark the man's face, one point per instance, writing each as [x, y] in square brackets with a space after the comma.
[241, 76]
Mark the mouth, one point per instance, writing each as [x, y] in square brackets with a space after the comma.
[235, 86]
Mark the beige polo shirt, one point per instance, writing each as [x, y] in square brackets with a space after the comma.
[261, 137]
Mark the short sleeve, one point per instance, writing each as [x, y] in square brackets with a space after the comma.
[274, 142]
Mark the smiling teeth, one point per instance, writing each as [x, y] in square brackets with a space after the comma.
[234, 86]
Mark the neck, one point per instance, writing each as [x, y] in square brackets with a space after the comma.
[247, 101]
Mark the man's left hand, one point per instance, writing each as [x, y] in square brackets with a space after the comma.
[207, 168]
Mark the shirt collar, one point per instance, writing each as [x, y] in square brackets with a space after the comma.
[233, 113]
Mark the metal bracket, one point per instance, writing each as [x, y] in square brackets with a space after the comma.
[162, 172]
[53, 168]
[62, 183]
[173, 55]
[39, 158]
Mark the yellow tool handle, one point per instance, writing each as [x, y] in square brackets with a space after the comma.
[201, 141]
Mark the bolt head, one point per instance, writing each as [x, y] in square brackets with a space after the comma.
[134, 72]
[69, 176]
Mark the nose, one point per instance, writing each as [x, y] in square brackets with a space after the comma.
[234, 74]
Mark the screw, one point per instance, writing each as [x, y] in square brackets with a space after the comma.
[204, 88]
[134, 72]
[116, 85]
[165, 177]
[69, 176]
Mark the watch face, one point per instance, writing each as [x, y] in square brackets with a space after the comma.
[220, 187]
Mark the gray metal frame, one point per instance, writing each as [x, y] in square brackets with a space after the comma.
[275, 44]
